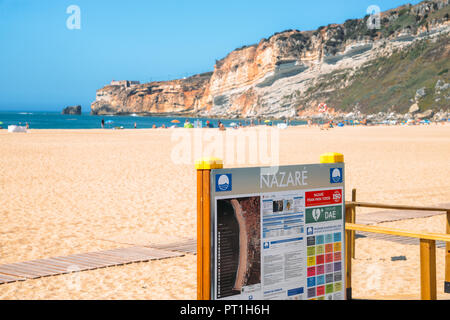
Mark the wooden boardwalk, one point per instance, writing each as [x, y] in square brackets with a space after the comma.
[117, 257]
[81, 262]
[396, 215]
[396, 239]
[187, 246]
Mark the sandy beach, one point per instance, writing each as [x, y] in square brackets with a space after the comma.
[76, 191]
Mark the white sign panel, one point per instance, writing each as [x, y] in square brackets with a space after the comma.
[284, 238]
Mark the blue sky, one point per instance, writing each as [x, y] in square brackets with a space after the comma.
[46, 66]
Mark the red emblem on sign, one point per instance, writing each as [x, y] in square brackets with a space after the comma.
[323, 198]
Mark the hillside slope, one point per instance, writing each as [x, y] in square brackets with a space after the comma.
[390, 83]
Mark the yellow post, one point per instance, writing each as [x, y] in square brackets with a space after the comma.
[339, 158]
[332, 157]
[353, 220]
[204, 167]
[348, 256]
[199, 234]
[428, 269]
[447, 258]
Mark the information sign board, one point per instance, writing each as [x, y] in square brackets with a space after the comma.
[278, 233]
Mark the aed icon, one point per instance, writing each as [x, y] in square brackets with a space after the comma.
[336, 175]
[223, 182]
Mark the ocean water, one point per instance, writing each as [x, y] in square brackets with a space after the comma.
[55, 120]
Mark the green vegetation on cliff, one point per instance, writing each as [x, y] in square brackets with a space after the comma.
[390, 82]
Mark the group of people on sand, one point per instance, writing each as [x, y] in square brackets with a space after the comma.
[209, 124]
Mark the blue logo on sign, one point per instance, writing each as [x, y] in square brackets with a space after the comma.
[223, 182]
[309, 231]
[336, 175]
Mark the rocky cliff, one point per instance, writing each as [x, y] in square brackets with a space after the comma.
[72, 110]
[348, 66]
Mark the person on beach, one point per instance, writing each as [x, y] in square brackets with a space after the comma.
[209, 124]
[135, 125]
[103, 123]
[26, 124]
[222, 127]
[188, 124]
[154, 126]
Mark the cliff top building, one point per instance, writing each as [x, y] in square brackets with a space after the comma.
[125, 83]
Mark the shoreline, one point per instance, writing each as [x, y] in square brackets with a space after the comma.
[315, 125]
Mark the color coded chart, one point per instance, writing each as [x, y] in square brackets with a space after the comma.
[324, 266]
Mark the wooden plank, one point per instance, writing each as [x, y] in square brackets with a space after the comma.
[78, 263]
[7, 279]
[189, 242]
[428, 269]
[146, 254]
[135, 252]
[130, 254]
[113, 256]
[102, 259]
[447, 257]
[112, 259]
[45, 264]
[86, 261]
[30, 272]
[17, 273]
[353, 220]
[68, 264]
[397, 232]
[199, 234]
[84, 258]
[348, 265]
[185, 249]
[39, 269]
[206, 231]
[80, 260]
[126, 257]
[348, 221]
[160, 254]
[389, 206]
[15, 267]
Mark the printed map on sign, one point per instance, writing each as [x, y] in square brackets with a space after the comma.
[278, 235]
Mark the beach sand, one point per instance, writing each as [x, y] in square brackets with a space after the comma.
[76, 191]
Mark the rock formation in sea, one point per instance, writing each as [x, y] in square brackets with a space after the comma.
[348, 66]
[73, 110]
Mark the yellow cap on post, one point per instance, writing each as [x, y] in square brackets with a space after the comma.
[332, 157]
[208, 163]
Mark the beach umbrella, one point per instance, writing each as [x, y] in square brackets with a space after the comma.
[175, 121]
